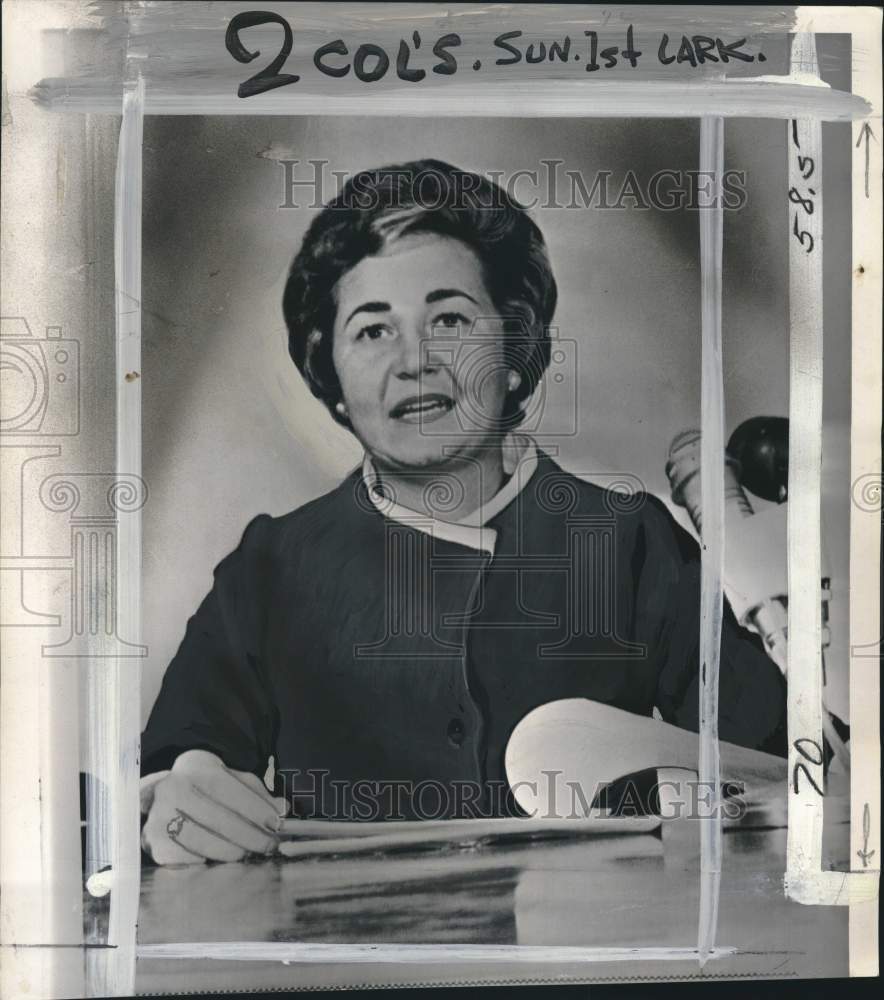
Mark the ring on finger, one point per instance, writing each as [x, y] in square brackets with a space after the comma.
[173, 827]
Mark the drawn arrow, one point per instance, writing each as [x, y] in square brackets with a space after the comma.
[865, 855]
[866, 133]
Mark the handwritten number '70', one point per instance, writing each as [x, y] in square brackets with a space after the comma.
[816, 759]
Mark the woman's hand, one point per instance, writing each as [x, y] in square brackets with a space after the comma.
[203, 811]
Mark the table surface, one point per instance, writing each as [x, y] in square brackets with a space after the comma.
[629, 890]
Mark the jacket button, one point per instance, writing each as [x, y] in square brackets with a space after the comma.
[456, 732]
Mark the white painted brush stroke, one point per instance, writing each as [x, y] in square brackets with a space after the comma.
[712, 537]
[284, 951]
[805, 839]
[547, 99]
[804, 880]
[124, 688]
[865, 520]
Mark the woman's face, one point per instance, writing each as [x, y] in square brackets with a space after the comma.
[418, 350]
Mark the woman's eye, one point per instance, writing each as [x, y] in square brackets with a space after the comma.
[451, 319]
[374, 331]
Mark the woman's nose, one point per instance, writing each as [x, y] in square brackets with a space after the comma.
[414, 357]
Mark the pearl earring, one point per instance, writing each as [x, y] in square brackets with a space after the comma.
[514, 380]
[341, 407]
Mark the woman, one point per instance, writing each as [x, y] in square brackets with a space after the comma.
[381, 642]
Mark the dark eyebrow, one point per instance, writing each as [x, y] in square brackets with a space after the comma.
[371, 307]
[448, 293]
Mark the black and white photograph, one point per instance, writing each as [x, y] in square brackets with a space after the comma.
[461, 472]
[444, 528]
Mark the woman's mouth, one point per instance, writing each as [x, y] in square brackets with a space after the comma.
[422, 409]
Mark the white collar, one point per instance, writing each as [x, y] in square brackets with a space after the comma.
[519, 462]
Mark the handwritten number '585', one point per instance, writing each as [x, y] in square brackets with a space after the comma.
[806, 167]
[269, 77]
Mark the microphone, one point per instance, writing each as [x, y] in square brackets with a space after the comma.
[768, 617]
[757, 454]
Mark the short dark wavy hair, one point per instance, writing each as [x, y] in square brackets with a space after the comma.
[381, 204]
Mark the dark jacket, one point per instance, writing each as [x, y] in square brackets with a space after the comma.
[354, 649]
